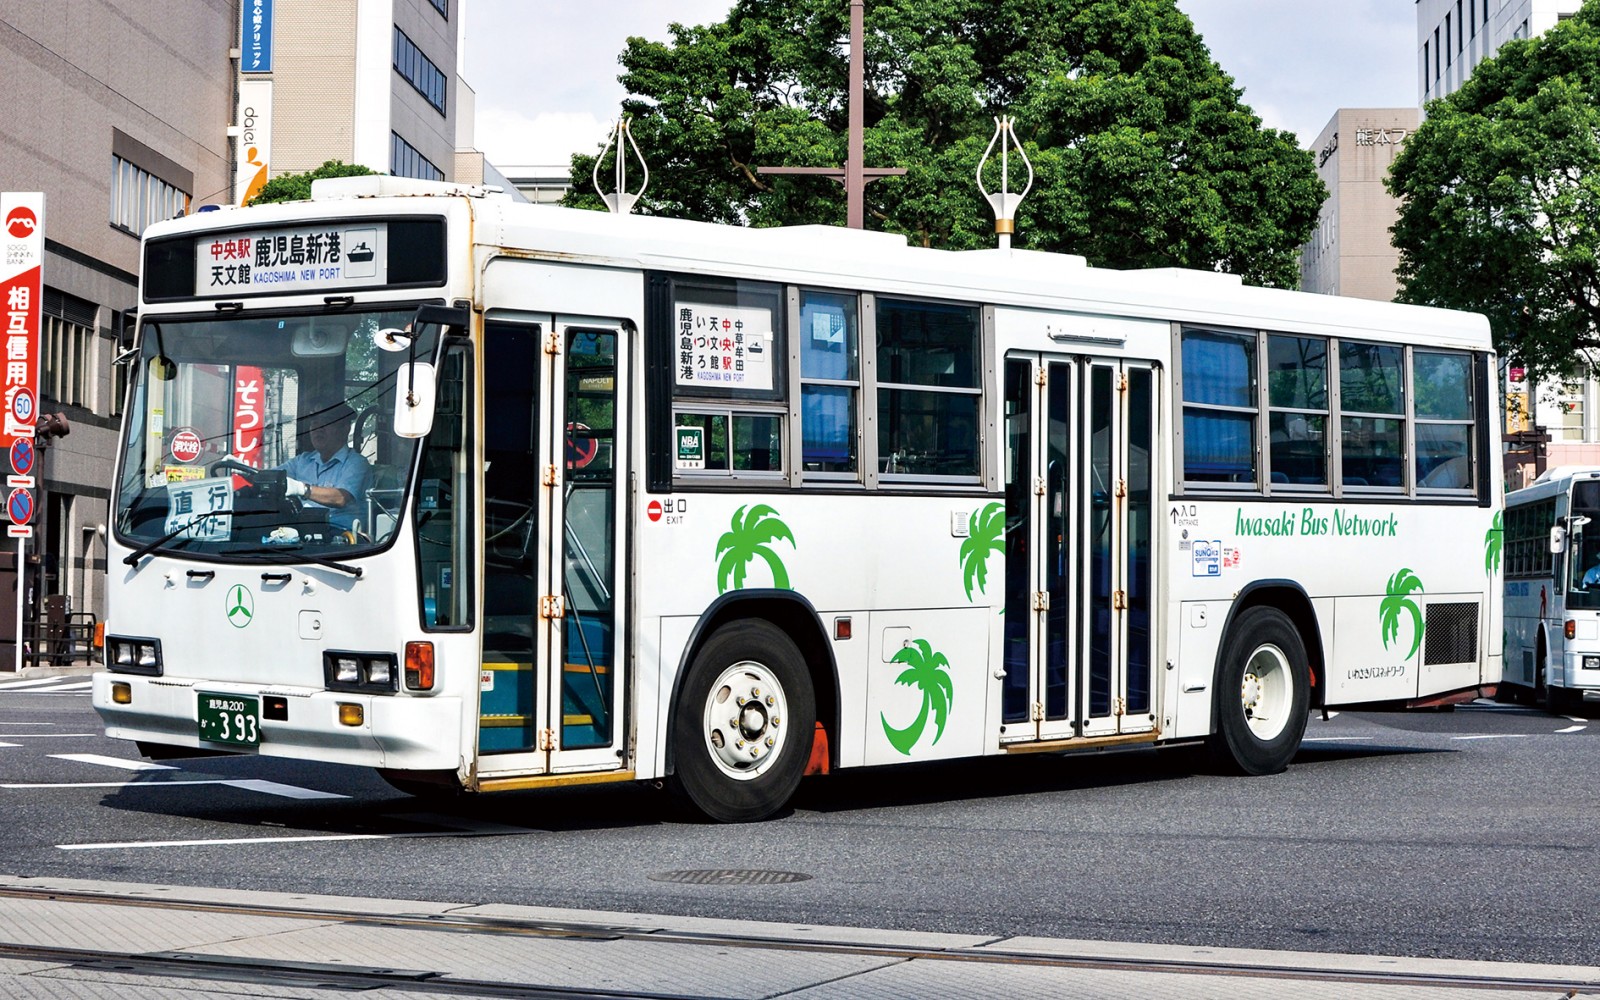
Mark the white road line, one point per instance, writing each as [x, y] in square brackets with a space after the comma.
[245, 784]
[10, 744]
[1577, 718]
[1572, 729]
[122, 762]
[75, 686]
[287, 791]
[1333, 739]
[1493, 736]
[44, 736]
[31, 682]
[231, 840]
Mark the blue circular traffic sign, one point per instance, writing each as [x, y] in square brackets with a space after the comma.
[22, 457]
[22, 405]
[20, 506]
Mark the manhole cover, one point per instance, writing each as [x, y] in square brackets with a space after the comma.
[729, 876]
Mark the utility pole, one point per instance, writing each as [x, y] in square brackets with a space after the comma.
[855, 175]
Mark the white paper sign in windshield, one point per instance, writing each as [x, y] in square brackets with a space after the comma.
[201, 509]
[305, 258]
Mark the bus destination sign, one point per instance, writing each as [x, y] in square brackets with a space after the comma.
[290, 260]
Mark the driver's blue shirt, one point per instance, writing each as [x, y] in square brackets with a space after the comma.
[1592, 578]
[346, 470]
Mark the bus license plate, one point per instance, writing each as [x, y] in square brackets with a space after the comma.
[229, 718]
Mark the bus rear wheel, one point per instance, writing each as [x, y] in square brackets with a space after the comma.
[742, 727]
[1263, 694]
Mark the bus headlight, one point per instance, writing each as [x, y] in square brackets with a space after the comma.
[347, 671]
[133, 655]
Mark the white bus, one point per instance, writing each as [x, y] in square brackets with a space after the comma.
[660, 500]
[1552, 567]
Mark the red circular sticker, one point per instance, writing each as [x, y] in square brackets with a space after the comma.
[654, 510]
[186, 445]
[581, 448]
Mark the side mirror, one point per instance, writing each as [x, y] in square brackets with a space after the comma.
[413, 400]
[1558, 540]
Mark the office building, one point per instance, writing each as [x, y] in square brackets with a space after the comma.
[1350, 252]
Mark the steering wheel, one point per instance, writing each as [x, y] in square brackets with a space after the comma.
[249, 472]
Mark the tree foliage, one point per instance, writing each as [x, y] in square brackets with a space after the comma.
[1144, 154]
[1500, 191]
[297, 187]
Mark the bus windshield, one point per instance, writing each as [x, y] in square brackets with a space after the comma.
[1583, 546]
[267, 438]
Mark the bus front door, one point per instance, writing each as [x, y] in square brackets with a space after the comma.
[555, 454]
[1079, 646]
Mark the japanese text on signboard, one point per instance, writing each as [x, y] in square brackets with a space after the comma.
[723, 346]
[201, 509]
[285, 261]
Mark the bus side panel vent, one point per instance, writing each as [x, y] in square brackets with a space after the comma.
[1450, 633]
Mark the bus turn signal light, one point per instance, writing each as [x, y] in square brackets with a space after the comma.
[351, 715]
[419, 666]
[122, 692]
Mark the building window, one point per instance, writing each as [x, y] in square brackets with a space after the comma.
[1436, 72]
[419, 71]
[66, 361]
[1472, 17]
[1448, 53]
[1427, 78]
[405, 161]
[443, 7]
[139, 198]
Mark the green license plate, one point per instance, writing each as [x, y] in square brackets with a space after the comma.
[229, 718]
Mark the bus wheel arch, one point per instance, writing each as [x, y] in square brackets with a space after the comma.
[757, 677]
[1263, 683]
[1289, 598]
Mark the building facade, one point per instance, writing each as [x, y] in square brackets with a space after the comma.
[119, 116]
[1454, 36]
[1350, 252]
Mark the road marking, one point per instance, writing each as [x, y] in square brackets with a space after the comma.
[10, 744]
[29, 683]
[1572, 729]
[122, 762]
[43, 736]
[231, 840]
[287, 791]
[1493, 736]
[246, 784]
[1577, 718]
[1333, 739]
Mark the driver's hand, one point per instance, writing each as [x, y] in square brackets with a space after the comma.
[295, 488]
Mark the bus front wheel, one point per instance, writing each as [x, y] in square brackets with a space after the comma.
[1263, 694]
[741, 730]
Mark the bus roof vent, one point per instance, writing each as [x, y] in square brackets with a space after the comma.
[384, 186]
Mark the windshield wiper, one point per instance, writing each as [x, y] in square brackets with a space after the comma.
[280, 555]
[133, 558]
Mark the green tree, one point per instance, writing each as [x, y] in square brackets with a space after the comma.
[750, 536]
[1144, 153]
[929, 672]
[297, 187]
[1397, 599]
[1500, 190]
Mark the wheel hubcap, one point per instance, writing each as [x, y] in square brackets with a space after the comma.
[1267, 692]
[744, 720]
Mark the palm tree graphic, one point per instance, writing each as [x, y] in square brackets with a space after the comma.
[751, 535]
[930, 672]
[1397, 599]
[986, 536]
[1492, 541]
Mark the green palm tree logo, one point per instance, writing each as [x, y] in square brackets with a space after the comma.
[1492, 541]
[751, 535]
[986, 536]
[1397, 599]
[930, 672]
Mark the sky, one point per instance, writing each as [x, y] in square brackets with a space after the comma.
[545, 71]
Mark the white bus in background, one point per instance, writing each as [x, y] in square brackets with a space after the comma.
[723, 507]
[1552, 567]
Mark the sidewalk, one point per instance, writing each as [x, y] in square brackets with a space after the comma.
[159, 942]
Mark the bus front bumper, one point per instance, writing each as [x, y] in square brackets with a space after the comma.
[395, 732]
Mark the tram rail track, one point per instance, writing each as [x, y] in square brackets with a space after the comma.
[200, 965]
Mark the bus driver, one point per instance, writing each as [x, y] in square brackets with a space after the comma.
[330, 475]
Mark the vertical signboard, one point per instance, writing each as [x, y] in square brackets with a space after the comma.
[249, 414]
[21, 289]
[254, 137]
[255, 37]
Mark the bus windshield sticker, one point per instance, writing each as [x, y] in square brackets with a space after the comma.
[284, 260]
[691, 448]
[724, 346]
[201, 509]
